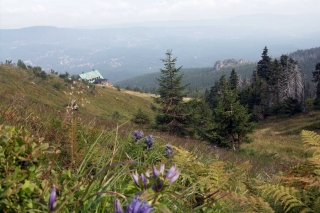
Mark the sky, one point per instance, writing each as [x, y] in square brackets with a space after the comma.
[16, 14]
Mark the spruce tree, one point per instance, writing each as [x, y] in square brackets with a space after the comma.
[21, 64]
[316, 73]
[263, 67]
[234, 79]
[316, 79]
[231, 121]
[171, 115]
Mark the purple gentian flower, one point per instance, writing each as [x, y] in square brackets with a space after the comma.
[143, 178]
[155, 172]
[25, 163]
[135, 177]
[144, 181]
[138, 207]
[117, 207]
[135, 206]
[169, 150]
[52, 199]
[157, 186]
[137, 135]
[149, 142]
[173, 174]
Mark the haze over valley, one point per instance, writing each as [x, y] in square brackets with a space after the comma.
[123, 51]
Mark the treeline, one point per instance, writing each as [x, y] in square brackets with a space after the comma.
[195, 78]
[203, 78]
[307, 60]
[277, 86]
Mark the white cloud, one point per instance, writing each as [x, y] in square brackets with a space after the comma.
[15, 10]
[74, 13]
[38, 8]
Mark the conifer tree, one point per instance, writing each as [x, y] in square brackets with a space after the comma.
[230, 119]
[171, 115]
[234, 79]
[21, 64]
[263, 67]
[316, 79]
[199, 116]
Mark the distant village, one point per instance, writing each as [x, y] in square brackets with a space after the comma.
[94, 77]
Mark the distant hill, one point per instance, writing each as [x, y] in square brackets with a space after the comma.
[202, 78]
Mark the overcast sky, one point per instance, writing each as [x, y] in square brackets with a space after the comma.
[82, 13]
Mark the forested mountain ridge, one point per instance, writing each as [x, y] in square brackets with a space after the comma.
[307, 60]
[197, 78]
[202, 78]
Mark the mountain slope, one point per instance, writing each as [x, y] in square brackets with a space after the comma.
[54, 92]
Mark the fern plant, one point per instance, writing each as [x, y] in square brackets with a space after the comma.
[299, 189]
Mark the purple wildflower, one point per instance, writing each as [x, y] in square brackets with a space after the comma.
[158, 185]
[173, 174]
[169, 150]
[25, 163]
[137, 135]
[52, 199]
[149, 142]
[135, 177]
[135, 206]
[155, 172]
[143, 182]
[117, 207]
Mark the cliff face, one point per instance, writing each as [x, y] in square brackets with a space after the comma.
[226, 63]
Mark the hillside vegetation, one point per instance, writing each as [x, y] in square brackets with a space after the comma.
[56, 159]
[96, 101]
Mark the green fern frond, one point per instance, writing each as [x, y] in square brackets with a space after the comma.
[310, 138]
[312, 141]
[217, 175]
[183, 157]
[238, 176]
[288, 197]
[189, 164]
[246, 203]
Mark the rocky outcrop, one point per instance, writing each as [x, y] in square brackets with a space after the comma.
[226, 63]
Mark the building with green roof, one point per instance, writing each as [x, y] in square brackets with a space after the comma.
[92, 76]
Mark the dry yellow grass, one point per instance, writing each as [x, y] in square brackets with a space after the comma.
[281, 136]
[146, 95]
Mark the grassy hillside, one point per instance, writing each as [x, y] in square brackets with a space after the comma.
[101, 101]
